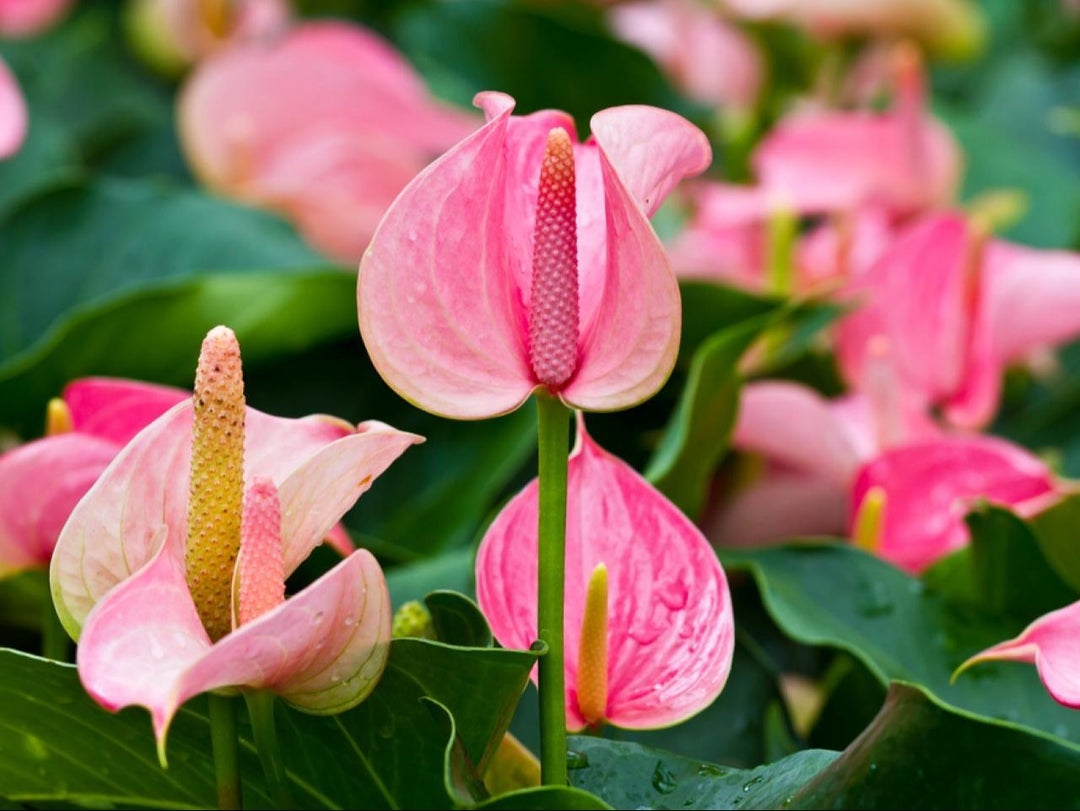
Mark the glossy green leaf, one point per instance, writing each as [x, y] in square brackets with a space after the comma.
[544, 797]
[412, 581]
[1057, 532]
[628, 775]
[458, 620]
[918, 753]
[899, 628]
[124, 277]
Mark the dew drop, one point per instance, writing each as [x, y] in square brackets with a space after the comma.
[663, 780]
[576, 760]
[711, 770]
[753, 781]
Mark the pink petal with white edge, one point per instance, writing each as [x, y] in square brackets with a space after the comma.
[1033, 298]
[795, 425]
[1052, 644]
[111, 531]
[13, 116]
[670, 628]
[116, 409]
[436, 291]
[40, 484]
[930, 486]
[322, 649]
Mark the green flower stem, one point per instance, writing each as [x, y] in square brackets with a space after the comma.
[553, 423]
[226, 747]
[260, 704]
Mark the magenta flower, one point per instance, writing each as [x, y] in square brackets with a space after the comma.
[648, 623]
[868, 465]
[521, 260]
[1049, 643]
[711, 60]
[171, 573]
[957, 310]
[325, 125]
[41, 481]
[25, 18]
[13, 117]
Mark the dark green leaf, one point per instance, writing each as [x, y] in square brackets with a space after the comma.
[413, 581]
[1058, 532]
[544, 797]
[918, 753]
[458, 620]
[628, 775]
[838, 596]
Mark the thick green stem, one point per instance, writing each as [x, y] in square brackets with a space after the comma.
[553, 421]
[260, 704]
[226, 747]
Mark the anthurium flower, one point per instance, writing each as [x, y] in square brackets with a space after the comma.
[24, 18]
[903, 159]
[956, 310]
[41, 481]
[172, 34]
[710, 59]
[1049, 643]
[171, 570]
[523, 260]
[13, 118]
[648, 624]
[924, 491]
[324, 125]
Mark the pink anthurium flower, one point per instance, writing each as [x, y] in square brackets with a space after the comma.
[957, 310]
[924, 491]
[903, 160]
[522, 260]
[710, 59]
[171, 572]
[25, 18]
[173, 34]
[1049, 643]
[648, 622]
[325, 125]
[13, 117]
[41, 481]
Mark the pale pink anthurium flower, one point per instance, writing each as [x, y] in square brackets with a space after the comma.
[648, 623]
[41, 481]
[1049, 643]
[522, 260]
[957, 309]
[324, 125]
[171, 571]
[13, 116]
[709, 58]
[25, 18]
[173, 34]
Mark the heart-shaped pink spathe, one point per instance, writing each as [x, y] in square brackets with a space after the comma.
[670, 632]
[929, 487]
[321, 466]
[325, 124]
[13, 116]
[43, 480]
[445, 287]
[1052, 644]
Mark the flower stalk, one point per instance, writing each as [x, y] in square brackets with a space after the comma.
[226, 751]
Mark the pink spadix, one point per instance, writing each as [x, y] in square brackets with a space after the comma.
[260, 568]
[553, 317]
